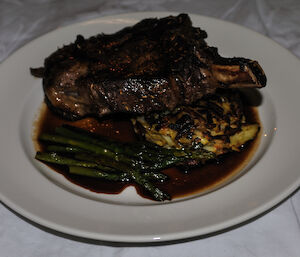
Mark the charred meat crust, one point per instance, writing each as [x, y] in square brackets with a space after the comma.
[154, 65]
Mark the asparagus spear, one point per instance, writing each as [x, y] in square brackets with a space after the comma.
[120, 157]
[143, 149]
[116, 147]
[102, 160]
[153, 175]
[84, 165]
[140, 164]
[62, 160]
[95, 173]
[156, 193]
[84, 145]
[64, 149]
[156, 176]
[99, 150]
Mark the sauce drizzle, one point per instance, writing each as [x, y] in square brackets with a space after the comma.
[180, 184]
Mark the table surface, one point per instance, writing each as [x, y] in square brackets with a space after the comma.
[276, 233]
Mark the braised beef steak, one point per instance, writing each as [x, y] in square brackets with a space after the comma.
[154, 65]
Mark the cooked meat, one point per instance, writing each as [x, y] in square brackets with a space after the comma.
[154, 65]
[217, 123]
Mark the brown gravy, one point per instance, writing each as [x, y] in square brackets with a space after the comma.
[180, 183]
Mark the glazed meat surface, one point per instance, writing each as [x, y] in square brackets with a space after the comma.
[154, 65]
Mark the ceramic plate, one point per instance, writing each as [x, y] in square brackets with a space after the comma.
[45, 197]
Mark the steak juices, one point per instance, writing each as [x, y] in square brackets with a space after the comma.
[152, 71]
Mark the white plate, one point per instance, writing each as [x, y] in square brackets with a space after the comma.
[272, 175]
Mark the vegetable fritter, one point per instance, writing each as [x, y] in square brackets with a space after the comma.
[216, 123]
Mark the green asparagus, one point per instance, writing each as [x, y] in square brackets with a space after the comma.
[95, 173]
[56, 158]
[89, 155]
